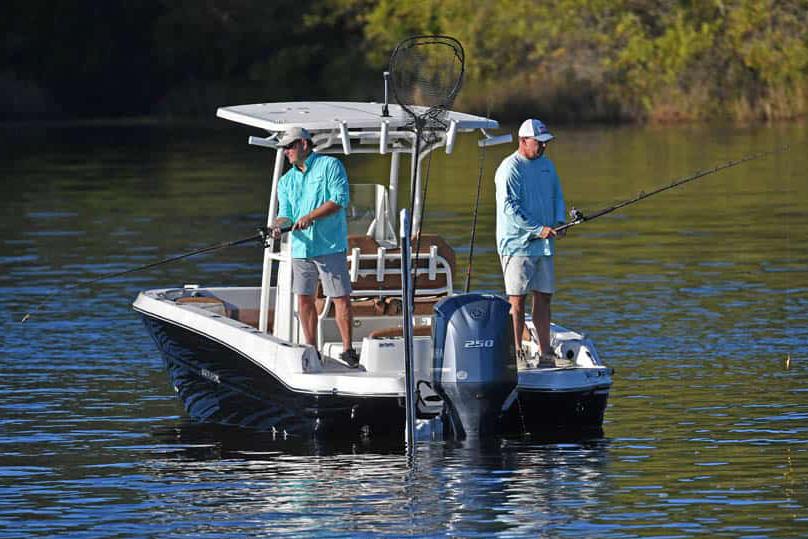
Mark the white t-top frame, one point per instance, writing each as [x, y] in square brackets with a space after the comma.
[343, 128]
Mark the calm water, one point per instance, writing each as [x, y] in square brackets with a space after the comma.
[696, 297]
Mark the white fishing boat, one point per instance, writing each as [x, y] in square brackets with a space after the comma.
[236, 355]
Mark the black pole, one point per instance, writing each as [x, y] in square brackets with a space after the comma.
[407, 297]
[407, 329]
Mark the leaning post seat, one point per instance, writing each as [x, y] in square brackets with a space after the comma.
[436, 282]
[376, 276]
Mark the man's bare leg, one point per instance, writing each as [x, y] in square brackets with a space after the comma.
[307, 312]
[518, 316]
[344, 319]
[541, 319]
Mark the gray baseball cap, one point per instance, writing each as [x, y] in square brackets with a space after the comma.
[293, 134]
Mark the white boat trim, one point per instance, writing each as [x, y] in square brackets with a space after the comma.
[278, 117]
[281, 359]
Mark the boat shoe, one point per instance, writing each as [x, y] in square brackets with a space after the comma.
[525, 360]
[350, 358]
[521, 360]
[547, 360]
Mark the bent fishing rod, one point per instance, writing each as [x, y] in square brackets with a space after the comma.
[578, 217]
[264, 236]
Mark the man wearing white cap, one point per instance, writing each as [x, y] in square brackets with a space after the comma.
[529, 204]
[313, 194]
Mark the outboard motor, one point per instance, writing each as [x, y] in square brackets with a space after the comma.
[474, 365]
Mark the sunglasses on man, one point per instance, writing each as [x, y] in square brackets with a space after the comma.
[290, 145]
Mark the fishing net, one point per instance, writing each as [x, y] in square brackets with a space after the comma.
[427, 71]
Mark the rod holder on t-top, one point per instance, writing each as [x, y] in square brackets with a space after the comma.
[577, 217]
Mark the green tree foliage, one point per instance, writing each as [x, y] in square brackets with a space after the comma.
[641, 60]
[566, 60]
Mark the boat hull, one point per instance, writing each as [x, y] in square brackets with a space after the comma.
[217, 384]
[538, 412]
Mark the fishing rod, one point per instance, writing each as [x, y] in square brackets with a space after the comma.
[473, 239]
[578, 217]
[264, 235]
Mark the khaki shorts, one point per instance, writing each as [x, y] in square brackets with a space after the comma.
[331, 270]
[525, 274]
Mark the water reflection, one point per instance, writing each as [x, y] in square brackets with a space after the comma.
[696, 297]
[469, 489]
[521, 487]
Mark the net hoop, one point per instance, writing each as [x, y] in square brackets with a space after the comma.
[427, 71]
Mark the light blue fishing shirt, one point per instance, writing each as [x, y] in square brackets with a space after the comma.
[299, 193]
[528, 197]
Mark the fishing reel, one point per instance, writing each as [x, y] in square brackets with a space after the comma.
[280, 226]
[576, 214]
[264, 235]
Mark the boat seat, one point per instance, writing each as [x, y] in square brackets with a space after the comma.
[398, 332]
[376, 278]
[423, 305]
[380, 269]
[222, 308]
[361, 306]
[376, 281]
[208, 303]
[251, 317]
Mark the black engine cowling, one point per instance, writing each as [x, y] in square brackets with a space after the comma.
[474, 366]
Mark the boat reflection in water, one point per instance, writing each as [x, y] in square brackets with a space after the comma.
[463, 488]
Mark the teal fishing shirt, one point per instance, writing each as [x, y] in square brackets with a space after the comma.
[528, 198]
[301, 192]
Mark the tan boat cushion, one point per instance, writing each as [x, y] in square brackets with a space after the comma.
[251, 317]
[360, 306]
[392, 281]
[209, 303]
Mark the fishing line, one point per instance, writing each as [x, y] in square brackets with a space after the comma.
[578, 217]
[261, 236]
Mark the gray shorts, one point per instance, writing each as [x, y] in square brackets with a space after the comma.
[525, 274]
[331, 270]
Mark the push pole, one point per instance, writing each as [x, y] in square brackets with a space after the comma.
[406, 308]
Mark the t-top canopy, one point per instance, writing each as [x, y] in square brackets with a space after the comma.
[325, 116]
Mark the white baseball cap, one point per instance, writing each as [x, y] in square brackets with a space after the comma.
[294, 133]
[535, 129]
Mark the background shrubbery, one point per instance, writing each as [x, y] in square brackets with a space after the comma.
[566, 60]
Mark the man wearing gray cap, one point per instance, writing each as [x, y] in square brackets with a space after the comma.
[529, 205]
[313, 194]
